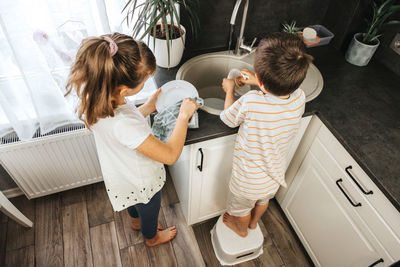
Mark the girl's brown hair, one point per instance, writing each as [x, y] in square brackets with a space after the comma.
[281, 61]
[95, 73]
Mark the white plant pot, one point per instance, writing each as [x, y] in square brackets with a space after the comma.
[358, 53]
[161, 51]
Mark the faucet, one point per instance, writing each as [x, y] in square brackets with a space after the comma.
[240, 41]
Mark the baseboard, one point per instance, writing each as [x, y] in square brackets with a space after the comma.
[13, 192]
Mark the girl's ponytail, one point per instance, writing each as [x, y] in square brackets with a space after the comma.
[102, 64]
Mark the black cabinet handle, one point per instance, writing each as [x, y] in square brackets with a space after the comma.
[200, 167]
[375, 263]
[344, 193]
[355, 181]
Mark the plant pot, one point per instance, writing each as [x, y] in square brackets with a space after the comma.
[358, 53]
[160, 50]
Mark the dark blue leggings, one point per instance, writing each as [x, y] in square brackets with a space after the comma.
[148, 214]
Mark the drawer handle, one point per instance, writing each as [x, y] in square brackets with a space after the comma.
[200, 167]
[375, 263]
[355, 181]
[341, 189]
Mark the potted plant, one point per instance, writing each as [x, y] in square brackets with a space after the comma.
[290, 28]
[159, 20]
[364, 45]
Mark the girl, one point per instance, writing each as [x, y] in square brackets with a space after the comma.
[105, 71]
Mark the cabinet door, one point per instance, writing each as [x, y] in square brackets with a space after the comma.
[209, 186]
[295, 142]
[377, 213]
[320, 215]
[181, 176]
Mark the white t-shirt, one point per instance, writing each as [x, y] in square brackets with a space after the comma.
[129, 176]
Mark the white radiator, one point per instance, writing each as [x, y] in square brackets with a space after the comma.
[52, 163]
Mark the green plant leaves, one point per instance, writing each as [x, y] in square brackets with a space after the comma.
[381, 13]
[290, 28]
[157, 12]
[393, 22]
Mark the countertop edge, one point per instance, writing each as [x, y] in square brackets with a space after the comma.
[337, 136]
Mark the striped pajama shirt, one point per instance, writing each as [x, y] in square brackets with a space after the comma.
[267, 126]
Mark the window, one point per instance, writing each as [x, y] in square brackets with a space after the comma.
[38, 43]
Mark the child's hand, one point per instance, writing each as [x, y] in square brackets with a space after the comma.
[228, 85]
[188, 107]
[151, 102]
[252, 80]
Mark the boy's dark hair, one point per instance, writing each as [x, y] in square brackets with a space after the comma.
[281, 62]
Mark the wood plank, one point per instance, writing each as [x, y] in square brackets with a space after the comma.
[126, 236]
[98, 205]
[270, 257]
[17, 235]
[21, 257]
[3, 239]
[105, 248]
[203, 236]
[3, 217]
[252, 263]
[162, 255]
[73, 196]
[120, 229]
[48, 229]
[77, 248]
[168, 192]
[185, 245]
[135, 256]
[285, 240]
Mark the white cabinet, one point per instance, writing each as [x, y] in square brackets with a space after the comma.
[304, 122]
[202, 173]
[201, 177]
[329, 207]
[210, 184]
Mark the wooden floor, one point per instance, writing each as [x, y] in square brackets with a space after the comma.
[79, 228]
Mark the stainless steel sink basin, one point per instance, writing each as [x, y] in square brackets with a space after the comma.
[206, 72]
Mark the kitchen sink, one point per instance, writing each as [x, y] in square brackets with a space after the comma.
[206, 72]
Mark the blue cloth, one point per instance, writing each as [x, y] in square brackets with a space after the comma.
[165, 120]
[148, 214]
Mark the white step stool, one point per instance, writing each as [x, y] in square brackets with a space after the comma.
[230, 248]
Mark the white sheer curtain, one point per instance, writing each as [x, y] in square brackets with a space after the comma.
[38, 43]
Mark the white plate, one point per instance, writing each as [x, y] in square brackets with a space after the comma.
[149, 88]
[313, 83]
[233, 74]
[174, 91]
[213, 105]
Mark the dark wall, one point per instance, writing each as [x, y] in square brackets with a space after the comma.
[264, 16]
[347, 17]
[342, 17]
[385, 54]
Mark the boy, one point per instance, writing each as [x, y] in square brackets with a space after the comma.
[268, 118]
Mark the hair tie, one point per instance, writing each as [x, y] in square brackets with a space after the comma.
[113, 45]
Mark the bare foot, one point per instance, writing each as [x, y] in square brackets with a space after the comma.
[135, 224]
[231, 223]
[252, 226]
[162, 237]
